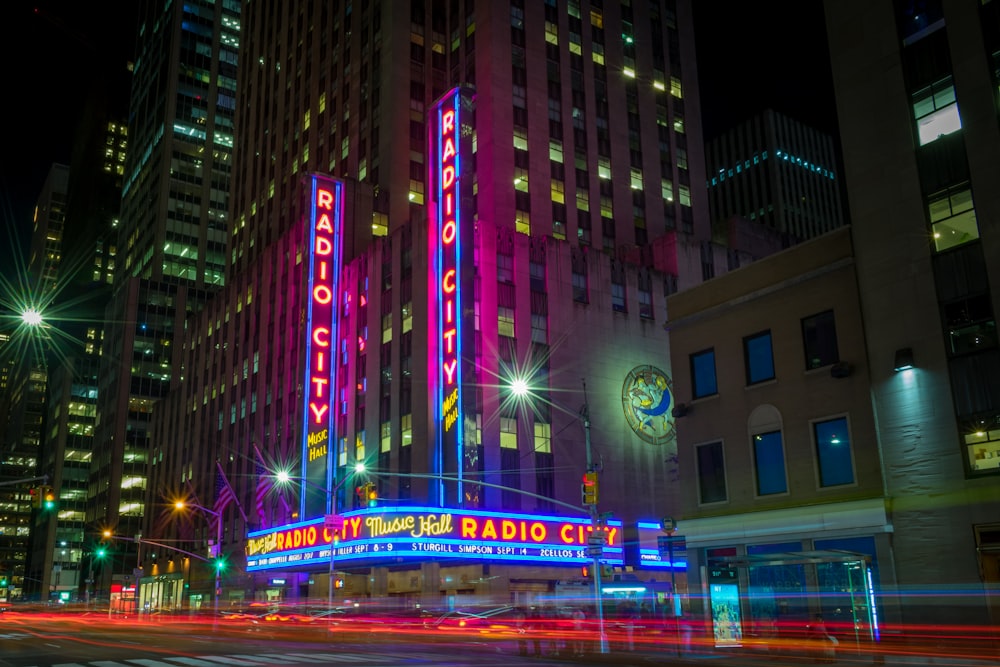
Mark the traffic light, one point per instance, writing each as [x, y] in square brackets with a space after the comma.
[3, 581]
[367, 494]
[220, 565]
[36, 497]
[49, 498]
[101, 552]
[590, 488]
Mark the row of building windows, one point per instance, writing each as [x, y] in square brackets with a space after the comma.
[819, 340]
[831, 448]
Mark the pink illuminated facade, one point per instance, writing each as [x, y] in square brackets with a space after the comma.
[325, 220]
[481, 244]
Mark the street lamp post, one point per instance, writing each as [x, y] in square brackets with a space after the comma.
[595, 546]
[332, 522]
[180, 504]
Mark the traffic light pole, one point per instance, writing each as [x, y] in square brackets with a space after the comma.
[595, 522]
[218, 562]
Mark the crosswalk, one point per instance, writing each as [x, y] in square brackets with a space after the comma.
[254, 660]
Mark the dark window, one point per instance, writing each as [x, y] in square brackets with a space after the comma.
[711, 473]
[970, 325]
[819, 337]
[769, 460]
[759, 357]
[703, 374]
[833, 452]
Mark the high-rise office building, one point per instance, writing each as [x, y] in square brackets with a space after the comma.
[81, 259]
[916, 98]
[561, 136]
[26, 387]
[776, 172]
[172, 240]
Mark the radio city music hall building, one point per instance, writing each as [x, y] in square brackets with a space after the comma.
[390, 359]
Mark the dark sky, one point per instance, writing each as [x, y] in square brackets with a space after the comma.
[764, 54]
[51, 50]
[751, 56]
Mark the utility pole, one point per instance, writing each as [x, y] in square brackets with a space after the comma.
[598, 539]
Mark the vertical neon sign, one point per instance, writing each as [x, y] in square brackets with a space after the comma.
[450, 218]
[325, 220]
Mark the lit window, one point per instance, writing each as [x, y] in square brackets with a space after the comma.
[543, 438]
[416, 192]
[558, 192]
[520, 138]
[953, 217]
[522, 222]
[520, 179]
[387, 327]
[551, 32]
[684, 195]
[983, 449]
[936, 111]
[505, 321]
[667, 190]
[555, 151]
[508, 433]
[675, 87]
[603, 167]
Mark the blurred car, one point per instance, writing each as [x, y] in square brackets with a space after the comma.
[498, 620]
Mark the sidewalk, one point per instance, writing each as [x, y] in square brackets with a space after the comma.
[887, 655]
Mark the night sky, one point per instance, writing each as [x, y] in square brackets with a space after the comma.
[50, 50]
[751, 56]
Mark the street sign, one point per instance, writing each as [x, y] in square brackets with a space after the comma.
[595, 551]
[333, 522]
[671, 544]
[597, 538]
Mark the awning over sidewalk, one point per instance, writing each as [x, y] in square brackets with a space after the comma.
[791, 558]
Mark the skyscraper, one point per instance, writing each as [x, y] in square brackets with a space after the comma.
[26, 387]
[172, 237]
[777, 172]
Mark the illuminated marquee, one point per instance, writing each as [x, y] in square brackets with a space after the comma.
[450, 217]
[399, 533]
[325, 222]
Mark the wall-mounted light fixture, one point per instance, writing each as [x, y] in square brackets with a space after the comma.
[680, 410]
[904, 359]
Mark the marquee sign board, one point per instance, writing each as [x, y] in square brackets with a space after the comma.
[391, 535]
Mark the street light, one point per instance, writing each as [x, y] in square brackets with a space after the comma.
[180, 504]
[332, 522]
[521, 389]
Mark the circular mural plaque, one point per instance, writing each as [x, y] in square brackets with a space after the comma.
[647, 400]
